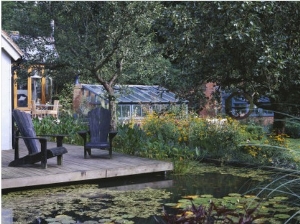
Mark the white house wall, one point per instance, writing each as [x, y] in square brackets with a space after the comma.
[6, 99]
[9, 52]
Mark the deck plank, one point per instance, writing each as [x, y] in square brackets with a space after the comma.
[75, 167]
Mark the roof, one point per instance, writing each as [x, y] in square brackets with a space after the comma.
[10, 46]
[130, 94]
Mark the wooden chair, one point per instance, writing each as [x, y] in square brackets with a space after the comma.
[35, 112]
[99, 133]
[54, 111]
[26, 128]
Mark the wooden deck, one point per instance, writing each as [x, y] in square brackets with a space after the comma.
[76, 168]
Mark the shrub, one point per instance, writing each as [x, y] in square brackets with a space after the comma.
[256, 132]
[181, 139]
[216, 140]
[66, 124]
[272, 151]
[130, 138]
[292, 128]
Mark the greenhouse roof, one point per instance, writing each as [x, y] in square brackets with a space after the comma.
[129, 94]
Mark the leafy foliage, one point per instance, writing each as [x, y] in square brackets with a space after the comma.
[212, 214]
[185, 138]
[250, 46]
[130, 138]
[292, 128]
[103, 42]
[66, 124]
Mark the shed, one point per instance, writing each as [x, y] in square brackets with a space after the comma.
[37, 84]
[10, 53]
[133, 100]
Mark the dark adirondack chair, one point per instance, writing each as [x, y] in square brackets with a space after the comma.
[99, 135]
[26, 129]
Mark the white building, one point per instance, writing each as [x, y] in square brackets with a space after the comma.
[10, 52]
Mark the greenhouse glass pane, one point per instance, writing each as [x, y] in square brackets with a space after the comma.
[119, 111]
[145, 110]
[126, 111]
[137, 111]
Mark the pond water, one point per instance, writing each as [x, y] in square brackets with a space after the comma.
[141, 199]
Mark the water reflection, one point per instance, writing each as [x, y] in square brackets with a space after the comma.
[96, 201]
[216, 184]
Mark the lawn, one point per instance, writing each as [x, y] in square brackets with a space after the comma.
[295, 144]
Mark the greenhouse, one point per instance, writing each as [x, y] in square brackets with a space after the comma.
[134, 101]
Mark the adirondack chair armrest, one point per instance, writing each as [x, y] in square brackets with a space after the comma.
[43, 142]
[83, 132]
[84, 135]
[59, 138]
[112, 134]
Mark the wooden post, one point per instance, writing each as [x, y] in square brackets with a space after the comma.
[43, 87]
[29, 91]
[15, 79]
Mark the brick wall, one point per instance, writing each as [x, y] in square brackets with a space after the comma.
[77, 97]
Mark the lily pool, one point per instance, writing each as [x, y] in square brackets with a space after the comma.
[142, 199]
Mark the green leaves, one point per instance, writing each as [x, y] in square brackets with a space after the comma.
[66, 124]
[246, 45]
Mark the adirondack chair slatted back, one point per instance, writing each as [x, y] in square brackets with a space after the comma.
[99, 124]
[25, 125]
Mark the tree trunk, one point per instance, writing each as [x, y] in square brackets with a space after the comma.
[279, 123]
[112, 105]
[113, 112]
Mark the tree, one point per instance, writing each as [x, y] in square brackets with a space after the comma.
[178, 29]
[25, 17]
[33, 32]
[107, 42]
[249, 46]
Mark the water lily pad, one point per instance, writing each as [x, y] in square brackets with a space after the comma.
[282, 216]
[231, 199]
[191, 196]
[234, 195]
[283, 210]
[104, 220]
[206, 196]
[201, 201]
[170, 204]
[62, 219]
[281, 198]
[184, 200]
[127, 216]
[251, 196]
[279, 206]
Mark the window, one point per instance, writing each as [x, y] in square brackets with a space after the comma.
[137, 111]
[123, 111]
